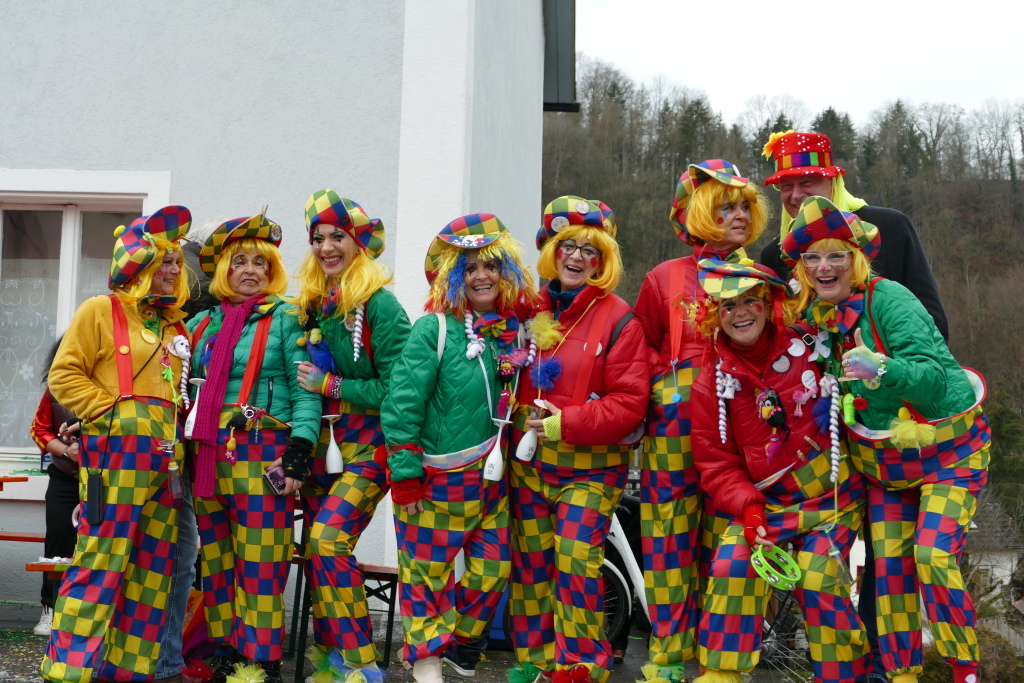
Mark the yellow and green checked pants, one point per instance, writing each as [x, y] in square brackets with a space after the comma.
[245, 533]
[461, 511]
[919, 510]
[800, 510]
[109, 616]
[562, 502]
[670, 520]
[342, 511]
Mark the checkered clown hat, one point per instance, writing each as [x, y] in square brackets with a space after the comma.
[721, 170]
[474, 231]
[325, 206]
[800, 154]
[724, 280]
[257, 227]
[136, 246]
[820, 219]
[562, 212]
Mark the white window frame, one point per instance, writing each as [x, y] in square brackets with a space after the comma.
[73, 192]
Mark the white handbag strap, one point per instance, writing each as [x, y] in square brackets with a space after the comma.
[442, 330]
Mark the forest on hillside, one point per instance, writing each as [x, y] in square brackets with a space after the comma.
[954, 172]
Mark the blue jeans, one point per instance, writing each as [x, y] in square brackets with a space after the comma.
[171, 662]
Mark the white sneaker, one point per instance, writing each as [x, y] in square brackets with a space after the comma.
[45, 624]
[427, 670]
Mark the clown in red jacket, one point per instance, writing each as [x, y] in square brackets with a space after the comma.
[589, 372]
[717, 212]
[763, 442]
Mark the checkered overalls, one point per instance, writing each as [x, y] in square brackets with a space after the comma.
[919, 511]
[461, 511]
[245, 533]
[562, 502]
[340, 507]
[109, 616]
[800, 509]
[671, 515]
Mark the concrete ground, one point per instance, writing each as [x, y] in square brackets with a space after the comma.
[21, 651]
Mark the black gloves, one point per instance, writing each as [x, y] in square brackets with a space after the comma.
[295, 459]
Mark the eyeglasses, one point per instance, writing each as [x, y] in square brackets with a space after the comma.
[836, 259]
[569, 247]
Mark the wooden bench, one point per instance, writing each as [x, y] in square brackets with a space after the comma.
[54, 572]
[384, 587]
[24, 536]
[8, 479]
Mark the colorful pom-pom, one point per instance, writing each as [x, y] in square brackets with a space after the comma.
[545, 330]
[906, 433]
[244, 673]
[545, 373]
[524, 673]
[821, 413]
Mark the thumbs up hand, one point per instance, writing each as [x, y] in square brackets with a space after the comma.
[860, 362]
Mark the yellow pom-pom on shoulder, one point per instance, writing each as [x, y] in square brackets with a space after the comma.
[907, 433]
[545, 330]
[246, 674]
[118, 230]
[767, 151]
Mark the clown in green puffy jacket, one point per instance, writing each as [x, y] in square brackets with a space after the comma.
[251, 415]
[443, 444]
[356, 332]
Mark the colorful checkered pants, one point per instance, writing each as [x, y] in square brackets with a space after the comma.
[560, 520]
[800, 509]
[339, 508]
[109, 616]
[919, 518]
[670, 520]
[245, 532]
[461, 511]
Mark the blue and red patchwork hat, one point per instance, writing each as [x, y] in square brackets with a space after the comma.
[325, 206]
[721, 170]
[568, 210]
[820, 219]
[473, 231]
[137, 245]
[257, 227]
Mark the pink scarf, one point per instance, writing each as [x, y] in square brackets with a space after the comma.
[217, 374]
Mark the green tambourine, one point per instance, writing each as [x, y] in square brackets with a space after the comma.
[765, 563]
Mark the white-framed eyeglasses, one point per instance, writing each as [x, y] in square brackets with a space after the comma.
[836, 259]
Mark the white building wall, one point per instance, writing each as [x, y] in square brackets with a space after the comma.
[472, 125]
[244, 103]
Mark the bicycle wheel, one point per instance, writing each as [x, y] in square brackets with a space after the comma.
[783, 641]
[616, 607]
[616, 604]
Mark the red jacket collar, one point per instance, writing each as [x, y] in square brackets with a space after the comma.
[575, 310]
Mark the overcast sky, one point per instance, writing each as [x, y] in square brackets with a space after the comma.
[855, 56]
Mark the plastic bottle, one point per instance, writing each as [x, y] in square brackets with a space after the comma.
[174, 480]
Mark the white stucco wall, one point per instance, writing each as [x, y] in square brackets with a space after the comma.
[472, 125]
[244, 103]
